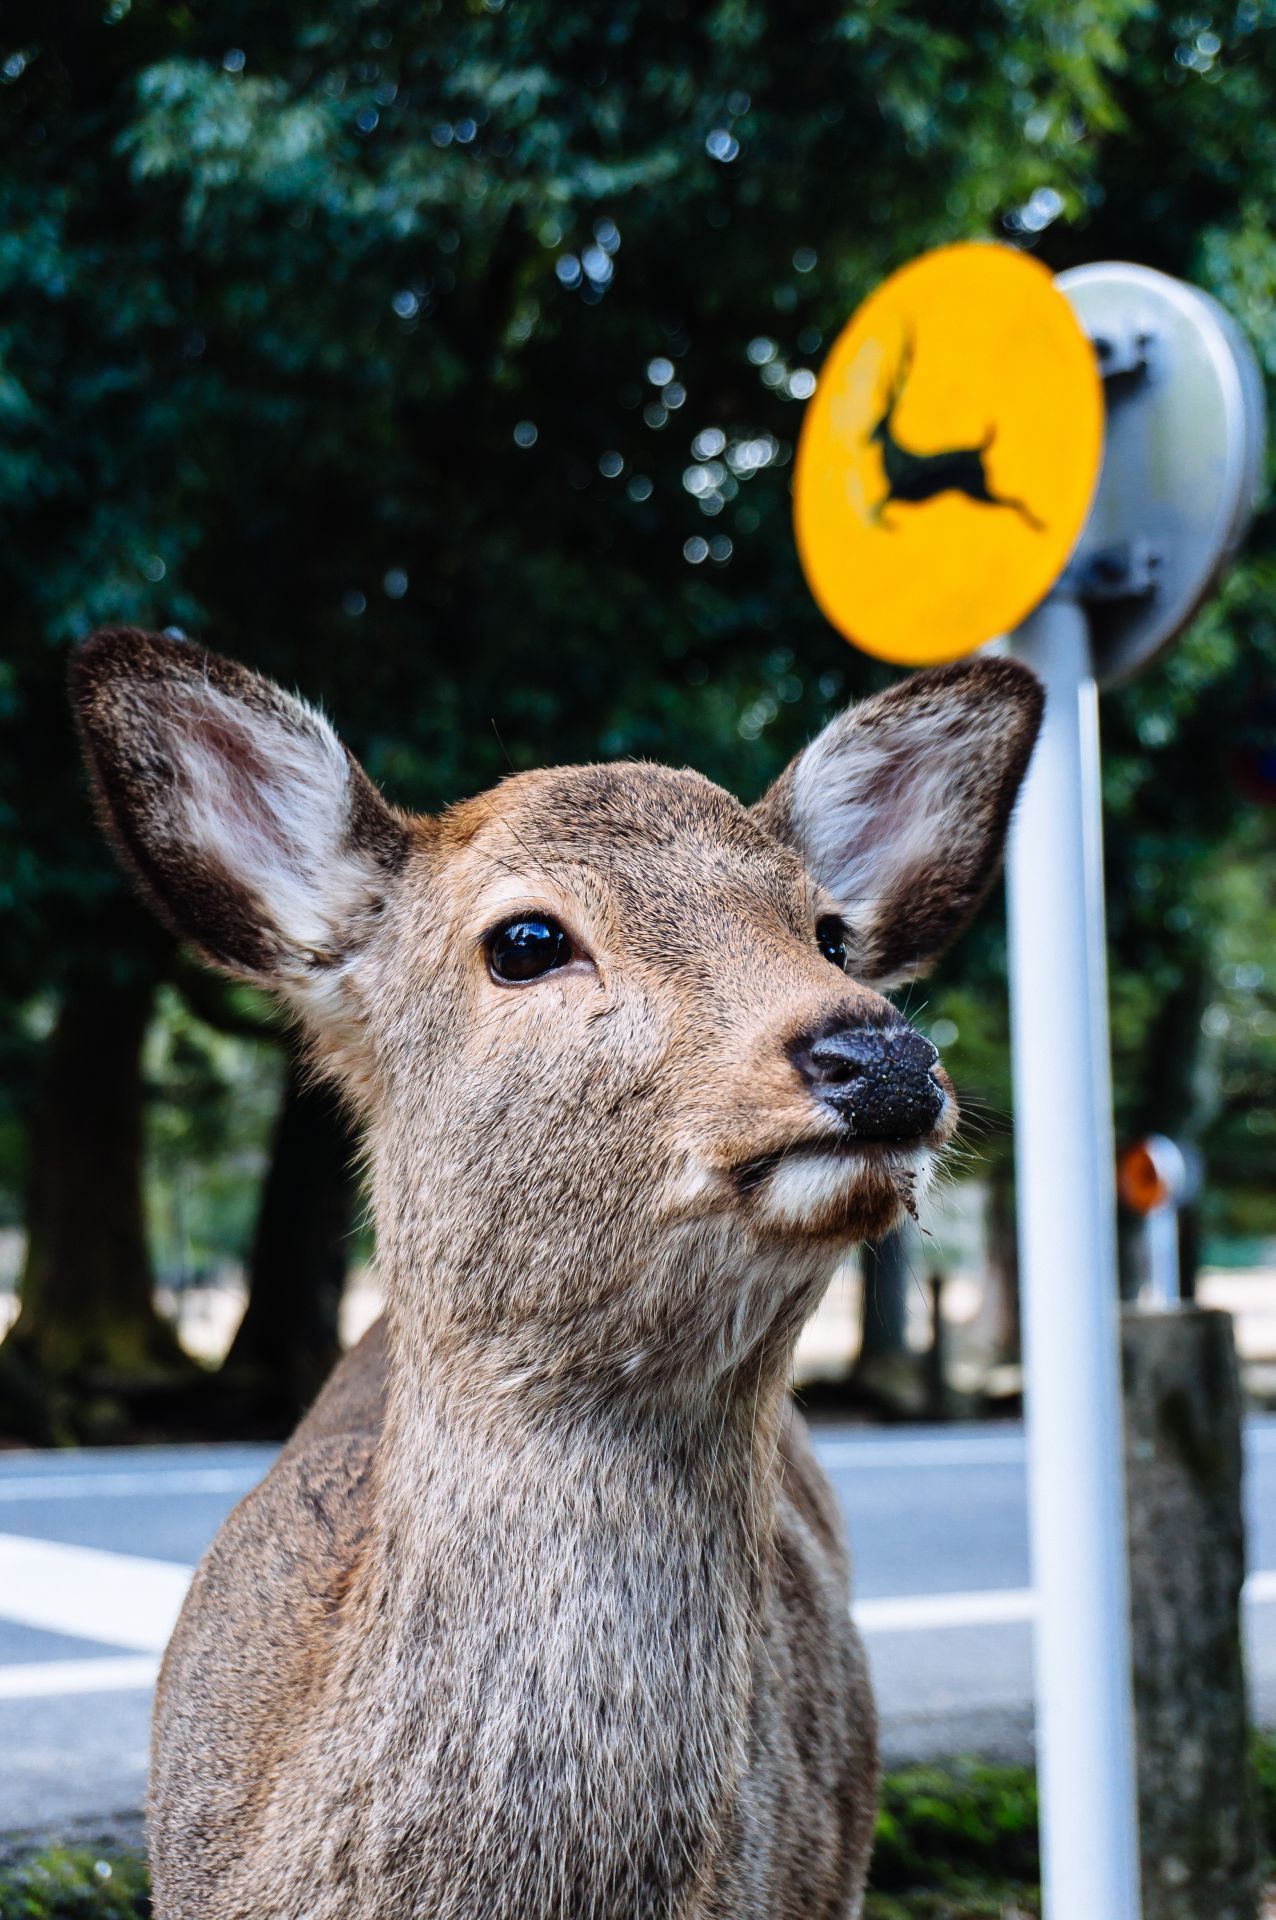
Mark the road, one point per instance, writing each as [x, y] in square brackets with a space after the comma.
[96, 1548]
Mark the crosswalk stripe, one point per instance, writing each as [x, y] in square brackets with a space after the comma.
[43, 1679]
[121, 1486]
[915, 1612]
[116, 1598]
[123, 1600]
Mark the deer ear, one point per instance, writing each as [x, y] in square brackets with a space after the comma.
[900, 808]
[252, 831]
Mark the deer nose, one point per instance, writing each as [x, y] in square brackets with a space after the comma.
[878, 1080]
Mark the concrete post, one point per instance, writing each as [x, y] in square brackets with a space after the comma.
[1187, 1564]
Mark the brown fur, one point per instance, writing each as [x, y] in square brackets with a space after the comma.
[543, 1612]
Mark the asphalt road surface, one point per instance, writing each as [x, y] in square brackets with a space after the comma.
[96, 1549]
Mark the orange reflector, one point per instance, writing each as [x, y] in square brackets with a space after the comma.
[1140, 1182]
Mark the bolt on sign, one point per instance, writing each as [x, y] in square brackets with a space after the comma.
[949, 456]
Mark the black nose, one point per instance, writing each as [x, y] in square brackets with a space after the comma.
[877, 1079]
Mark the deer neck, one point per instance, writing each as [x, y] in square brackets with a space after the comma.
[560, 1627]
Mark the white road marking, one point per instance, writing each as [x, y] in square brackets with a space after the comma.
[916, 1612]
[902, 1454]
[124, 1600]
[41, 1679]
[996, 1607]
[901, 1613]
[118, 1486]
[117, 1598]
[952, 1449]
[965, 1450]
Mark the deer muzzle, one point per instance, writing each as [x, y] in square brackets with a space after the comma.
[878, 1080]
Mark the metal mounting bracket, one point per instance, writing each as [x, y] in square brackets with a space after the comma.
[1129, 570]
[1123, 351]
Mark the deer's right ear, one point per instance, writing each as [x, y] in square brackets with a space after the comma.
[900, 808]
[251, 829]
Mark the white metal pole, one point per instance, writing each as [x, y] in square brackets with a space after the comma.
[1164, 1283]
[1067, 1240]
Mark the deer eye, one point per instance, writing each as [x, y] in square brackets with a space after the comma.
[524, 949]
[830, 935]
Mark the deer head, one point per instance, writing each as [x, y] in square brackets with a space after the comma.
[629, 1076]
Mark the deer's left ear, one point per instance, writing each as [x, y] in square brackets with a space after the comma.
[900, 808]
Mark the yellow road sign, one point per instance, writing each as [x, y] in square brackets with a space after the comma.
[949, 455]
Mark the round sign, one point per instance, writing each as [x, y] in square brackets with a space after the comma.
[949, 455]
[1183, 460]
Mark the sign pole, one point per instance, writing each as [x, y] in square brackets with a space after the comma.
[1067, 1239]
[960, 458]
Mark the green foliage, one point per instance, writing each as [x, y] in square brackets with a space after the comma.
[1263, 1761]
[213, 1102]
[438, 357]
[948, 1828]
[954, 1842]
[995, 1902]
[75, 1884]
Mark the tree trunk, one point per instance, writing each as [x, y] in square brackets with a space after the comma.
[888, 1375]
[288, 1336]
[87, 1289]
[1171, 1094]
[1187, 1562]
[886, 1265]
[1002, 1311]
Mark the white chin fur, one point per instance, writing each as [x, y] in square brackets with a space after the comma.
[807, 1186]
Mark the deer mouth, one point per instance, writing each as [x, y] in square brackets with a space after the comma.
[886, 1156]
[835, 1190]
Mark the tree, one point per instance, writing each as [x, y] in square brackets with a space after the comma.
[288, 1339]
[85, 1204]
[446, 360]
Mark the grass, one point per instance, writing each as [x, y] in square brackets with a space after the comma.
[957, 1842]
[75, 1883]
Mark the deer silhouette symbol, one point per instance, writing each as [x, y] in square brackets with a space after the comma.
[912, 478]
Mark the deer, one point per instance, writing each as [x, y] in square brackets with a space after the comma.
[543, 1613]
[912, 478]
